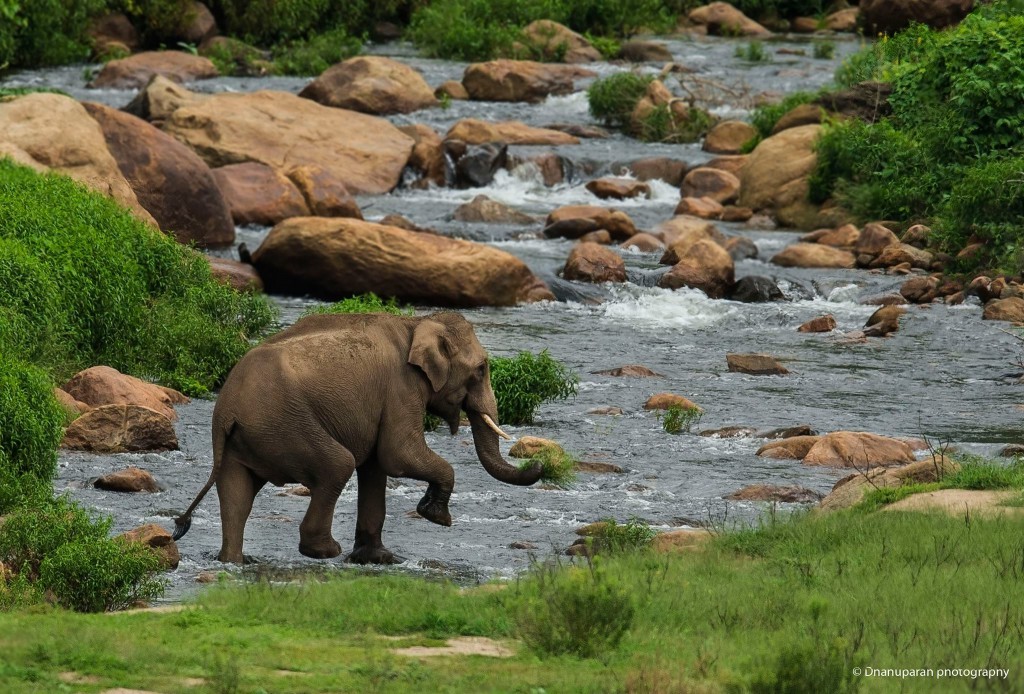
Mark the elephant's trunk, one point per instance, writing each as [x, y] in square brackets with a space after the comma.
[486, 440]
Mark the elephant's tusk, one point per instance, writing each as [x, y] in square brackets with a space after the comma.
[490, 422]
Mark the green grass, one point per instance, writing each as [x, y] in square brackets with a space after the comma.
[313, 55]
[677, 419]
[559, 467]
[975, 473]
[362, 303]
[753, 52]
[792, 605]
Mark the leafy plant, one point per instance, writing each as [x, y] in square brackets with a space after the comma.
[524, 382]
[308, 57]
[662, 124]
[824, 50]
[632, 536]
[362, 303]
[753, 52]
[677, 419]
[558, 466]
[613, 98]
[100, 575]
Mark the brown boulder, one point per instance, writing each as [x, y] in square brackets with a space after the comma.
[722, 19]
[856, 449]
[644, 242]
[843, 20]
[733, 163]
[665, 169]
[688, 230]
[453, 90]
[518, 80]
[159, 99]
[484, 210]
[72, 406]
[371, 84]
[775, 176]
[628, 371]
[55, 132]
[728, 137]
[428, 156]
[115, 28]
[920, 290]
[136, 70]
[874, 238]
[130, 480]
[776, 493]
[598, 468]
[672, 541]
[168, 179]
[477, 132]
[618, 188]
[792, 448]
[741, 248]
[529, 446]
[257, 194]
[590, 262]
[554, 42]
[335, 258]
[601, 236]
[851, 491]
[573, 221]
[1011, 309]
[884, 321]
[730, 432]
[199, 24]
[158, 540]
[804, 114]
[720, 186]
[890, 16]
[704, 208]
[666, 401]
[705, 266]
[240, 276]
[845, 236]
[120, 429]
[755, 364]
[898, 253]
[282, 131]
[325, 195]
[917, 235]
[636, 51]
[102, 385]
[821, 324]
[814, 255]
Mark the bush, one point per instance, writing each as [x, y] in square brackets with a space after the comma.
[662, 125]
[524, 382]
[782, 9]
[45, 32]
[764, 118]
[101, 574]
[158, 21]
[312, 56]
[753, 52]
[807, 667]
[633, 536]
[362, 303]
[578, 611]
[612, 99]
[677, 419]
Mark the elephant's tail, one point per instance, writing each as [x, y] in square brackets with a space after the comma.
[220, 436]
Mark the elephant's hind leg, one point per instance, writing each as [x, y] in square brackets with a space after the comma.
[333, 470]
[368, 547]
[237, 487]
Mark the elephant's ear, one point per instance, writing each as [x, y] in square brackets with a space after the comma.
[431, 352]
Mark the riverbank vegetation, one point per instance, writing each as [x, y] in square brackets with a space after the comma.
[951, 155]
[792, 605]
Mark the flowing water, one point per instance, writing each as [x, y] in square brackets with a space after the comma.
[945, 374]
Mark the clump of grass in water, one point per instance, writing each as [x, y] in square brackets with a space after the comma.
[753, 52]
[558, 467]
[677, 419]
[824, 50]
[632, 536]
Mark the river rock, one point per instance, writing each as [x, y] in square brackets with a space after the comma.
[845, 236]
[741, 248]
[586, 132]
[786, 432]
[371, 84]
[103, 385]
[722, 19]
[159, 99]
[601, 237]
[733, 163]
[682, 232]
[674, 541]
[813, 255]
[775, 176]
[518, 80]
[257, 194]
[55, 132]
[529, 446]
[756, 289]
[120, 429]
[1012, 450]
[112, 28]
[168, 178]
[607, 411]
[598, 468]
[453, 90]
[240, 276]
[473, 131]
[705, 266]
[335, 258]
[136, 70]
[644, 242]
[636, 51]
[731, 432]
[755, 364]
[728, 137]
[792, 448]
[484, 210]
[704, 208]
[917, 235]
[590, 262]
[804, 114]
[69, 403]
[920, 290]
[428, 155]
[850, 491]
[843, 20]
[629, 371]
[1011, 309]
[129, 480]
[618, 188]
[325, 195]
[478, 165]
[899, 253]
[821, 324]
[241, 58]
[158, 540]
[573, 221]
[666, 169]
[874, 238]
[884, 321]
[365, 153]
[558, 43]
[775, 493]
[890, 16]
[665, 401]
[858, 449]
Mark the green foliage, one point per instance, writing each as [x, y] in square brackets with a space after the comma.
[307, 57]
[576, 611]
[158, 21]
[975, 473]
[824, 50]
[677, 419]
[613, 98]
[632, 536]
[523, 383]
[782, 9]
[100, 574]
[660, 124]
[558, 466]
[45, 32]
[809, 666]
[609, 48]
[362, 303]
[753, 52]
[765, 117]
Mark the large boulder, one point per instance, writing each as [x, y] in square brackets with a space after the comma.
[721, 186]
[790, 448]
[131, 480]
[775, 177]
[573, 221]
[371, 84]
[705, 266]
[257, 194]
[112, 28]
[136, 70]
[159, 99]
[858, 449]
[120, 429]
[618, 188]
[473, 131]
[168, 178]
[324, 193]
[723, 19]
[365, 153]
[683, 226]
[814, 255]
[556, 42]
[484, 210]
[240, 276]
[637, 51]
[889, 16]
[590, 262]
[1010, 309]
[775, 493]
[755, 364]
[55, 132]
[335, 258]
[479, 163]
[518, 80]
[728, 137]
[755, 289]
[103, 385]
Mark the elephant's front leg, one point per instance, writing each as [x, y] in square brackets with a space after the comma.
[413, 459]
[368, 547]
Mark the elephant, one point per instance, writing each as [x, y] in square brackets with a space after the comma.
[340, 393]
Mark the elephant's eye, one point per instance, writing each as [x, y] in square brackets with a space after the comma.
[481, 371]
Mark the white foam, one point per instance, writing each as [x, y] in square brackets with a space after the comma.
[656, 308]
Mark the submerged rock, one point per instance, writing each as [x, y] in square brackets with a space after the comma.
[158, 540]
[772, 492]
[756, 364]
[136, 70]
[629, 370]
[591, 262]
[519, 80]
[858, 449]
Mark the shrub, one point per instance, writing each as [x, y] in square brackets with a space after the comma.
[753, 52]
[578, 611]
[32, 534]
[314, 55]
[524, 382]
[782, 9]
[45, 32]
[824, 50]
[558, 467]
[765, 117]
[677, 419]
[807, 667]
[612, 99]
[632, 536]
[158, 21]
[100, 574]
[362, 303]
[662, 125]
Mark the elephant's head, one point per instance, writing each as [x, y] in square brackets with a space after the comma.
[445, 349]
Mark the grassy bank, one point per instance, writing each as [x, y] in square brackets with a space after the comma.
[793, 606]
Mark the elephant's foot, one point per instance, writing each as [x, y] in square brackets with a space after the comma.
[323, 549]
[368, 554]
[230, 557]
[434, 506]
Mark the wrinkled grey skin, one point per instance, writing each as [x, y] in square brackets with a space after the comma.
[337, 394]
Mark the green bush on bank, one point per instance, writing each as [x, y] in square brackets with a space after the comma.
[524, 382]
